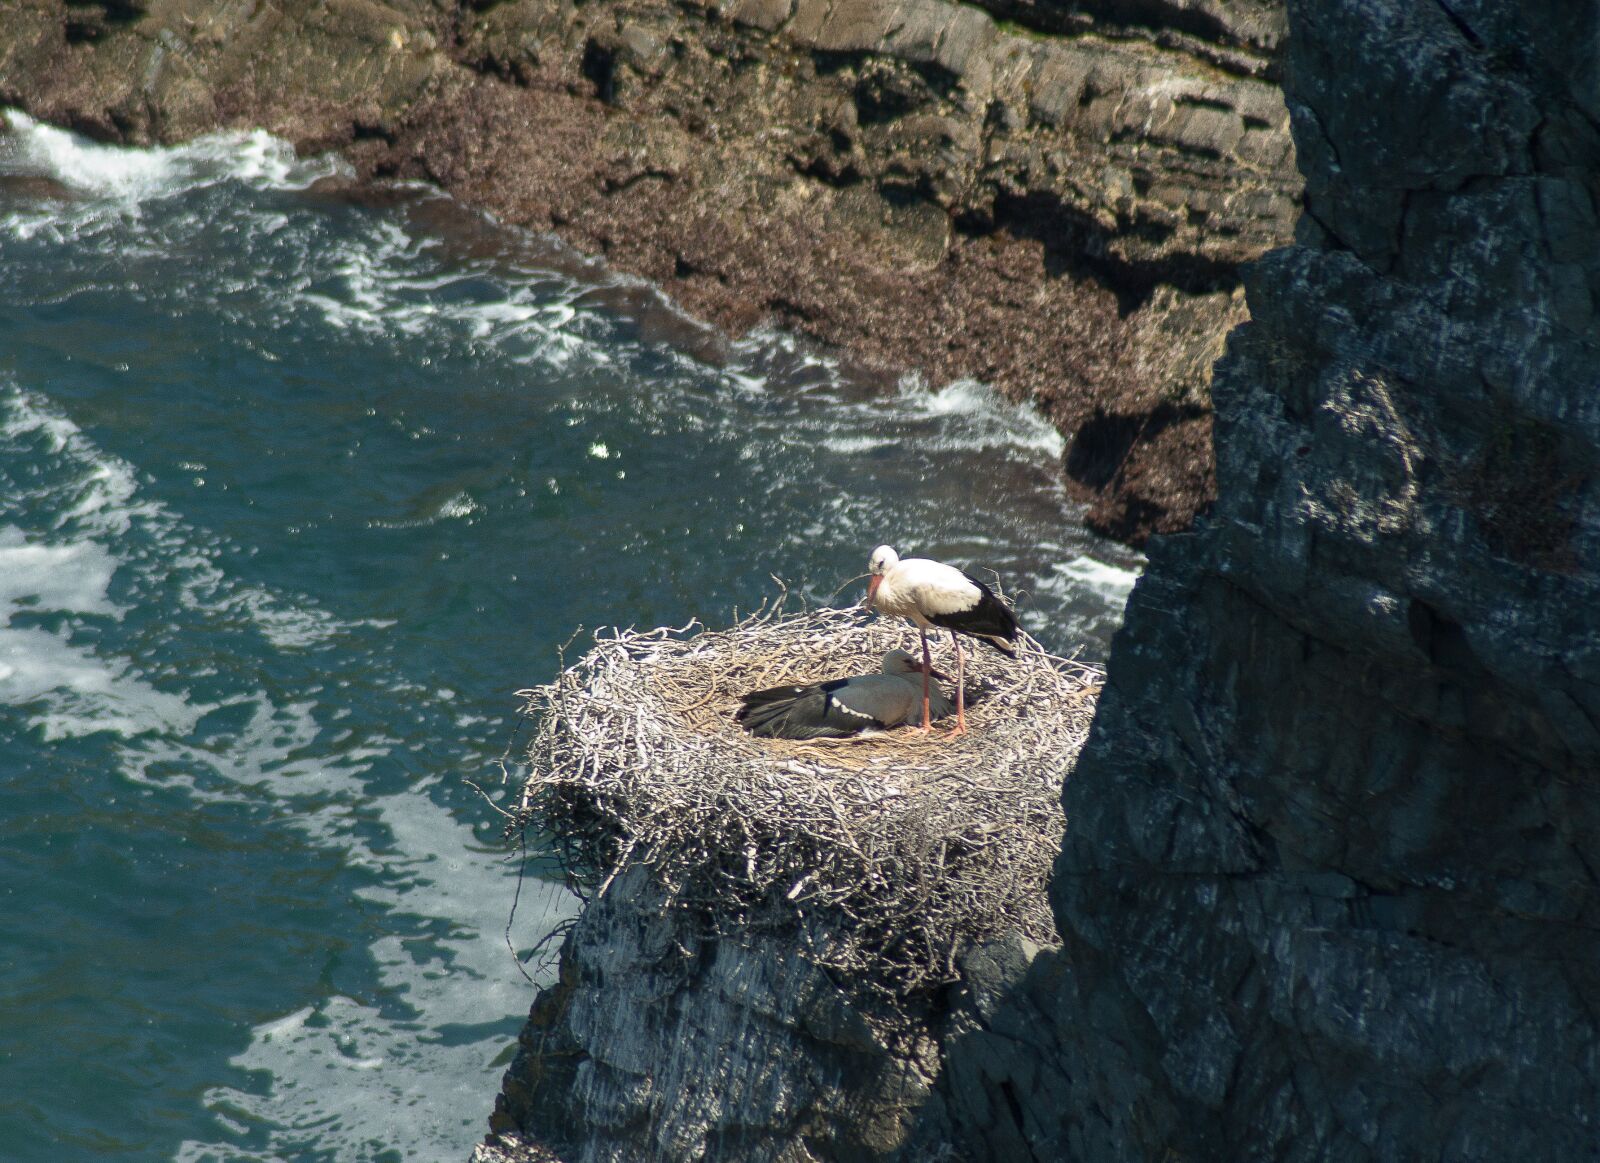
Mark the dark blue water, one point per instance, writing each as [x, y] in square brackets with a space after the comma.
[293, 495]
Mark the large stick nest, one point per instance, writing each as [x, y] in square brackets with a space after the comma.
[889, 852]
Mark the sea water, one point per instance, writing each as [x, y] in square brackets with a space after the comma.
[294, 494]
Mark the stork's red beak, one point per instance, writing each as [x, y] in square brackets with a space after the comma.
[873, 583]
[938, 674]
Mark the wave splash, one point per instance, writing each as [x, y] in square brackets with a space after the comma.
[99, 185]
[130, 174]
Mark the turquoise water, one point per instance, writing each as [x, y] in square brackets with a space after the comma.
[294, 494]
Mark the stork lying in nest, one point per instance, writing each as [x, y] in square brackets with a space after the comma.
[845, 706]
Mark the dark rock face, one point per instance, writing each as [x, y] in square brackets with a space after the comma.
[1050, 197]
[661, 1042]
[1329, 888]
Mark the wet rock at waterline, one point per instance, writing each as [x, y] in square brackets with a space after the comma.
[1051, 199]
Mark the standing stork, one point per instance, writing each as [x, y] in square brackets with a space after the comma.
[932, 594]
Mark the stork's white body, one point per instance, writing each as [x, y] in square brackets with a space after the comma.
[933, 595]
[919, 588]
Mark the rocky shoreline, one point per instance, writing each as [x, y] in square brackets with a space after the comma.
[1055, 201]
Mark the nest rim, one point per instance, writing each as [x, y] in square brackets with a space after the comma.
[891, 851]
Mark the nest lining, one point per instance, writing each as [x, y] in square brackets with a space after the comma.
[891, 851]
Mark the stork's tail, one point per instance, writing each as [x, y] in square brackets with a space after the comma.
[767, 712]
[775, 694]
[998, 643]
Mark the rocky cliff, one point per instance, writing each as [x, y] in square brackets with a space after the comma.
[1329, 889]
[663, 1042]
[1051, 197]
[1329, 886]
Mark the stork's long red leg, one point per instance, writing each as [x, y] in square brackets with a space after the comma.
[961, 689]
[927, 671]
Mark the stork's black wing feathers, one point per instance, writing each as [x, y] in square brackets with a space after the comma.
[799, 712]
[991, 620]
[784, 694]
[776, 694]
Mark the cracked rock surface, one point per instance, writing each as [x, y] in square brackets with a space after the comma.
[661, 1043]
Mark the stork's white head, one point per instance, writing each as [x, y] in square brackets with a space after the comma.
[883, 559]
[903, 662]
[900, 662]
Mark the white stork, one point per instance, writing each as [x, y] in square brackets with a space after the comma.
[845, 706]
[932, 594]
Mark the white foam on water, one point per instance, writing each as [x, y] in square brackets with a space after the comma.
[129, 175]
[101, 499]
[984, 418]
[23, 417]
[358, 1079]
[963, 415]
[74, 577]
[764, 341]
[83, 694]
[106, 188]
[854, 444]
[80, 693]
[71, 690]
[384, 283]
[458, 506]
[1113, 582]
[353, 1079]
[287, 626]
